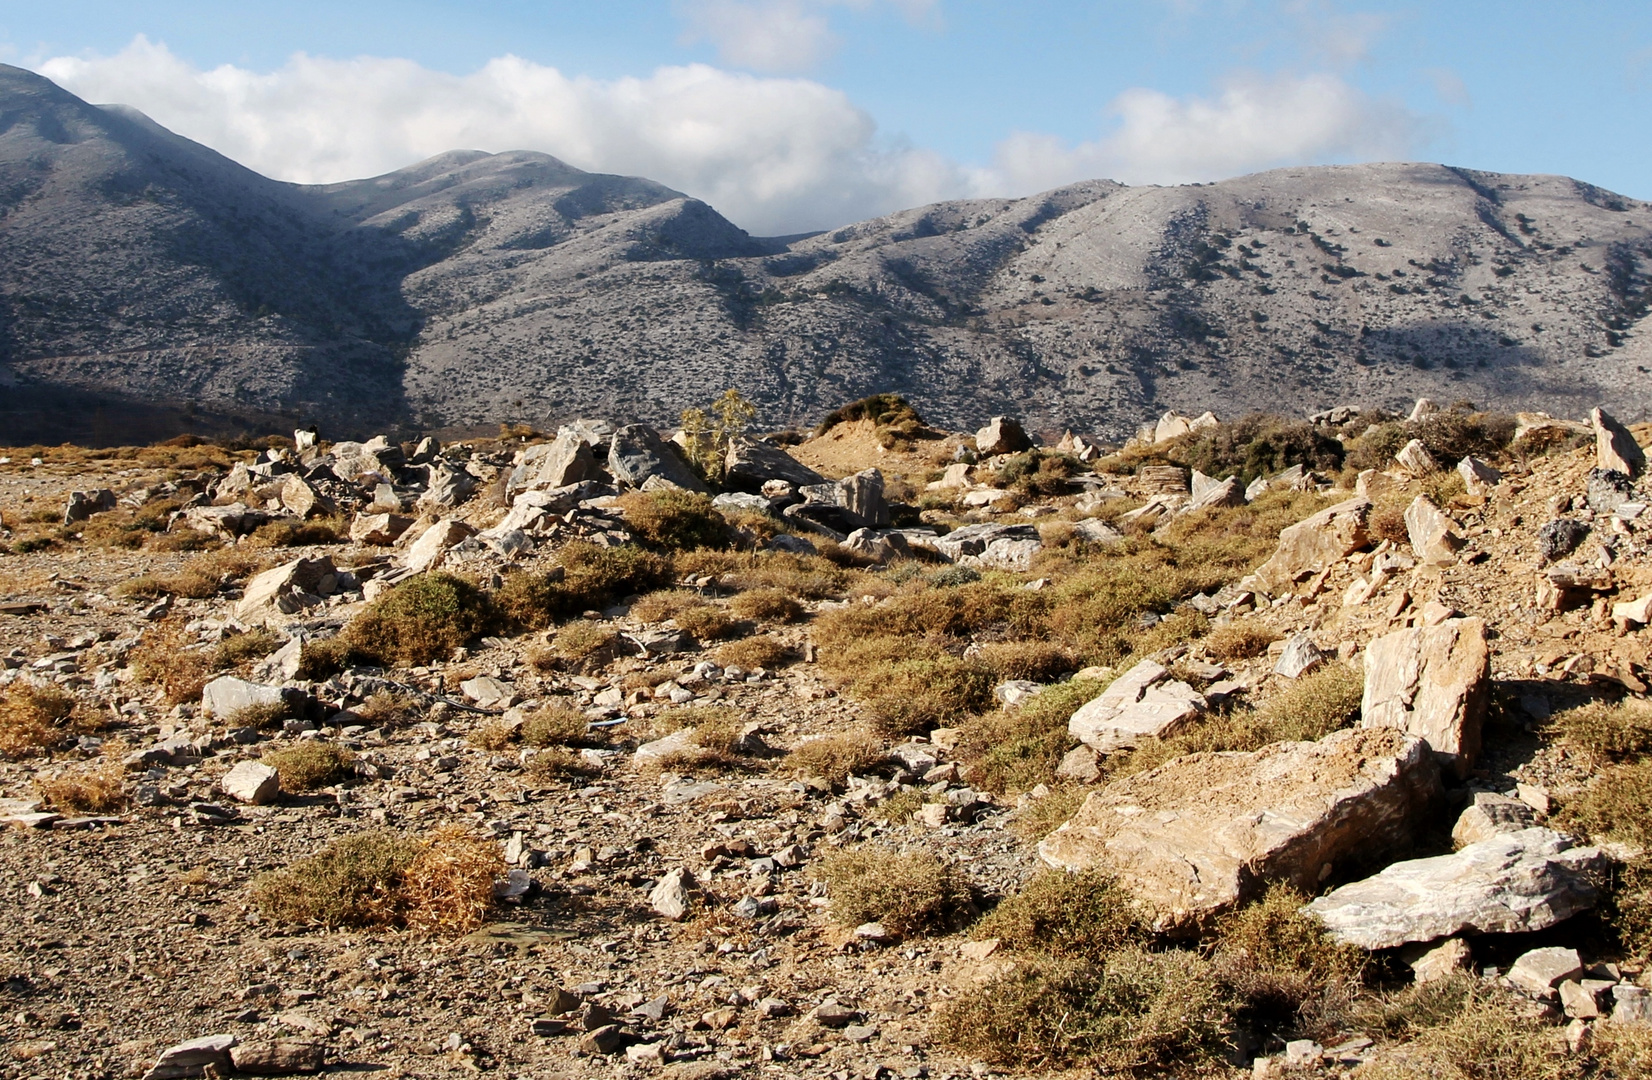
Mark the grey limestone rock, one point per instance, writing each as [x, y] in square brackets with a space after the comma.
[1513, 883]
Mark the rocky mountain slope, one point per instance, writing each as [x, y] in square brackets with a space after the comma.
[145, 277]
[690, 825]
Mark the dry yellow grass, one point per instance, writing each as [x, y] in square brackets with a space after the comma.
[441, 884]
[835, 758]
[98, 790]
[33, 719]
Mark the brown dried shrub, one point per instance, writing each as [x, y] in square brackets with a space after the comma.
[33, 719]
[309, 765]
[1239, 640]
[100, 790]
[754, 652]
[908, 893]
[767, 605]
[835, 758]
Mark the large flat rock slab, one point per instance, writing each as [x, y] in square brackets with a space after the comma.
[1204, 833]
[1143, 703]
[1513, 883]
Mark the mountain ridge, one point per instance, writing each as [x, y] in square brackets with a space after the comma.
[151, 281]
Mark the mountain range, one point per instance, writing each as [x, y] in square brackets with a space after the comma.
[149, 285]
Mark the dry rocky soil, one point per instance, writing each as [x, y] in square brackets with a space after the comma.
[128, 923]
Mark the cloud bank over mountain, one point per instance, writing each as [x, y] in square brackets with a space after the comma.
[776, 154]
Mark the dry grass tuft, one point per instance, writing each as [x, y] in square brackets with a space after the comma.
[448, 888]
[555, 763]
[1459, 1029]
[1129, 1011]
[32, 719]
[1283, 974]
[556, 725]
[1041, 817]
[258, 717]
[1071, 916]
[387, 708]
[767, 605]
[310, 765]
[835, 758]
[1609, 732]
[583, 646]
[1014, 750]
[442, 884]
[754, 652]
[708, 622]
[95, 791]
[1038, 661]
[675, 520]
[354, 881]
[1239, 640]
[908, 894]
[493, 735]
[423, 619]
[1307, 710]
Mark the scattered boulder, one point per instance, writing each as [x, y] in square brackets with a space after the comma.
[278, 1057]
[1315, 543]
[1434, 535]
[208, 1055]
[236, 519]
[1229, 492]
[957, 475]
[990, 545]
[1513, 883]
[863, 497]
[637, 454]
[1002, 435]
[1442, 961]
[1478, 477]
[427, 551]
[447, 487]
[1163, 480]
[1415, 459]
[285, 589]
[1490, 815]
[1629, 613]
[1607, 490]
[488, 692]
[567, 460]
[1206, 832]
[1081, 765]
[1541, 971]
[1615, 448]
[83, 504]
[750, 464]
[298, 497]
[252, 782]
[226, 695]
[674, 894]
[1559, 538]
[1433, 682]
[1142, 703]
[1300, 656]
[381, 530]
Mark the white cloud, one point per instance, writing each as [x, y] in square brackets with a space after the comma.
[779, 35]
[1252, 123]
[776, 155]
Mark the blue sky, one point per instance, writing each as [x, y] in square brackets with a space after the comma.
[796, 114]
